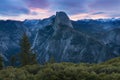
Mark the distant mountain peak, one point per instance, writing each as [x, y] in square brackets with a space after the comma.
[62, 19]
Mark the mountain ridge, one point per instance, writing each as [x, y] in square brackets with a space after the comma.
[61, 38]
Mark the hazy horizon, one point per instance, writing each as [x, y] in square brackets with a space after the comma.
[53, 15]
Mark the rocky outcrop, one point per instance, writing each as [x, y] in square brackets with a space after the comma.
[62, 19]
[67, 44]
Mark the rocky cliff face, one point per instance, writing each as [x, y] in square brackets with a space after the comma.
[67, 44]
[63, 19]
[62, 39]
[10, 33]
[112, 40]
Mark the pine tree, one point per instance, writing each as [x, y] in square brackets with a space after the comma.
[27, 57]
[1, 62]
[13, 60]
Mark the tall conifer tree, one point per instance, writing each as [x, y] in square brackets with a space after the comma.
[27, 57]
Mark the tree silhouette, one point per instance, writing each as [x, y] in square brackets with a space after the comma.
[13, 60]
[27, 57]
[1, 62]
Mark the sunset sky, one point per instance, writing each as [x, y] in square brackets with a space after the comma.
[76, 9]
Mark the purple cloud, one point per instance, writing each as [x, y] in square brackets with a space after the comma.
[105, 5]
[18, 7]
[37, 3]
[70, 6]
[98, 13]
[109, 8]
[11, 8]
